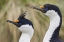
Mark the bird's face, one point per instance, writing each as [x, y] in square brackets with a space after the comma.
[47, 9]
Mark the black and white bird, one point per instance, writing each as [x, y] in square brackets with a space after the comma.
[25, 26]
[53, 12]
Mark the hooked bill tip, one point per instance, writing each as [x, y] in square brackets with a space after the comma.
[7, 21]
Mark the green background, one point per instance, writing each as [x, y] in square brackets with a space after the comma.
[11, 9]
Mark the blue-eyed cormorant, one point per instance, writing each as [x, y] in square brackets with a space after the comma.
[53, 12]
[25, 26]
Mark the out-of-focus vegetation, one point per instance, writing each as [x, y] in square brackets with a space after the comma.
[11, 9]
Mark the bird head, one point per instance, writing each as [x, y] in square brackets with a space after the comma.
[23, 23]
[48, 9]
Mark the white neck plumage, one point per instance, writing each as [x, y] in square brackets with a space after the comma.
[27, 33]
[54, 23]
[24, 38]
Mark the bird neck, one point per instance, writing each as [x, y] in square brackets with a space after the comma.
[27, 33]
[25, 38]
[54, 28]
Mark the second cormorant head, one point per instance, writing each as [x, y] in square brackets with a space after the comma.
[48, 9]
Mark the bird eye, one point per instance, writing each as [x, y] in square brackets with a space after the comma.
[45, 8]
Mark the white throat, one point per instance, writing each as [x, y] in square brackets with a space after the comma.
[54, 23]
[27, 33]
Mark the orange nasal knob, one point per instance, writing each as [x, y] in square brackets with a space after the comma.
[42, 7]
[16, 20]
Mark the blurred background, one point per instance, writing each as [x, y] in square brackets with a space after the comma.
[11, 9]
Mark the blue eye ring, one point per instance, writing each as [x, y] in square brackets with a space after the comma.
[45, 8]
